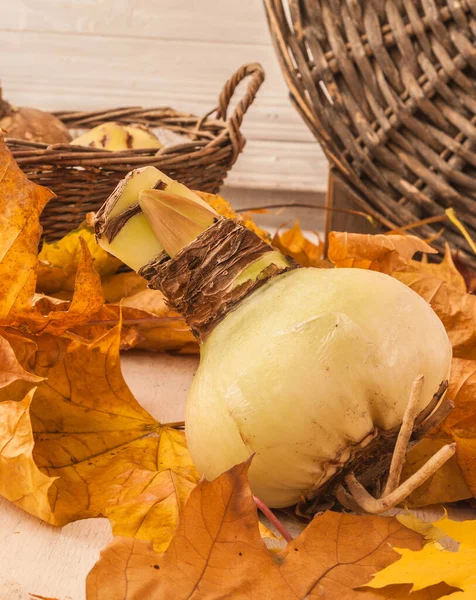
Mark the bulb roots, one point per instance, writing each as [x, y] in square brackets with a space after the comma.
[394, 492]
[406, 430]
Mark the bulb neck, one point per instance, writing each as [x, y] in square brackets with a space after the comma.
[213, 274]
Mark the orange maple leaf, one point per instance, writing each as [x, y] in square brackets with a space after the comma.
[217, 552]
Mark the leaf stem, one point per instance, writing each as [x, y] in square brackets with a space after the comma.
[273, 519]
[415, 224]
[346, 211]
[174, 424]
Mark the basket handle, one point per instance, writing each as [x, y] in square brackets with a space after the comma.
[256, 72]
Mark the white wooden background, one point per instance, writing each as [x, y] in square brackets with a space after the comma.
[89, 54]
[107, 53]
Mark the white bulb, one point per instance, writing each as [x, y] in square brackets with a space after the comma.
[304, 369]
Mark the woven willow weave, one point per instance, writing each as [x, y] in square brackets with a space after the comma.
[388, 88]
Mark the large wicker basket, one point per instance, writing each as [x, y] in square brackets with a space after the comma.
[388, 88]
[83, 178]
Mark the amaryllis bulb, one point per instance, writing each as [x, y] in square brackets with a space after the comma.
[322, 374]
[304, 369]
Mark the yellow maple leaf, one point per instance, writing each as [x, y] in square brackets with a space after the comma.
[293, 243]
[122, 285]
[426, 529]
[87, 300]
[445, 270]
[390, 253]
[166, 332]
[21, 203]
[433, 564]
[59, 261]
[81, 446]
[148, 323]
[19, 475]
[448, 484]
[153, 514]
[384, 253]
[461, 422]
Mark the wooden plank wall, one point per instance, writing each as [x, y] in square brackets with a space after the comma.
[105, 53]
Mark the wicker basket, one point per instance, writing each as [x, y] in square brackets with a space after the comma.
[83, 178]
[388, 88]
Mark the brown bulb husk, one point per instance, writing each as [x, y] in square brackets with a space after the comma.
[32, 124]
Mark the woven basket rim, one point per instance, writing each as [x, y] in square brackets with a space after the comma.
[206, 130]
[387, 90]
[83, 177]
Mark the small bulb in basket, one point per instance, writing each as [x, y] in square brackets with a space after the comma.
[117, 137]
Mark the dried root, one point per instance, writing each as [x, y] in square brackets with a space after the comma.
[358, 499]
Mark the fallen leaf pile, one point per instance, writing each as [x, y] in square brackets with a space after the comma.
[74, 442]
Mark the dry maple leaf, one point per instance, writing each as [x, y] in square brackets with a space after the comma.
[86, 302]
[148, 323]
[21, 203]
[11, 370]
[142, 330]
[384, 253]
[217, 552]
[82, 446]
[461, 423]
[293, 243]
[456, 480]
[433, 564]
[19, 475]
[121, 285]
[469, 274]
[58, 262]
[157, 326]
[447, 485]
[390, 253]
[445, 270]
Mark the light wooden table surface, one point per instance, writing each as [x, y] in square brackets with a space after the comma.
[36, 558]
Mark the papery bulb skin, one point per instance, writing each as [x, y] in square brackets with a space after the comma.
[304, 369]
